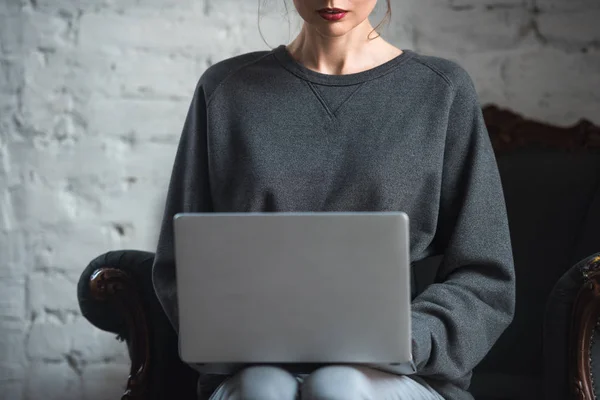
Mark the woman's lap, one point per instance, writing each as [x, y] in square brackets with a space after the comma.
[328, 383]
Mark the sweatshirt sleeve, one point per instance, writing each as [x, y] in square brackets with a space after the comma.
[188, 191]
[457, 319]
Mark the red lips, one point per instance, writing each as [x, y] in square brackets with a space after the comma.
[332, 14]
[331, 10]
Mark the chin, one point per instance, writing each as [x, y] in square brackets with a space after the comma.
[333, 30]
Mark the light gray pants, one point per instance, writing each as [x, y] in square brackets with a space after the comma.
[327, 383]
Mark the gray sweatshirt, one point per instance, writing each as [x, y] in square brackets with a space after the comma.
[266, 134]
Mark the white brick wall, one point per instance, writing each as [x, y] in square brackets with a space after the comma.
[93, 94]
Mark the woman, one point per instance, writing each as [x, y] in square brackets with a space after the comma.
[340, 121]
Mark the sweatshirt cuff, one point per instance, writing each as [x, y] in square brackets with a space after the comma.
[421, 341]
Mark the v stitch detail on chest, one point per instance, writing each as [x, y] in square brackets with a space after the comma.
[333, 113]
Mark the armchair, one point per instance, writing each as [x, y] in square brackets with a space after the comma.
[550, 351]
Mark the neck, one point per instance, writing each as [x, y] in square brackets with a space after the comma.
[339, 55]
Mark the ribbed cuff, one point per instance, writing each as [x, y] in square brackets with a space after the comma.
[421, 341]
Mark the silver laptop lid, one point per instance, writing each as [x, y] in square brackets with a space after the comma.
[329, 287]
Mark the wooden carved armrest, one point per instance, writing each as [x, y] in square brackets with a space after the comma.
[117, 287]
[585, 320]
[509, 130]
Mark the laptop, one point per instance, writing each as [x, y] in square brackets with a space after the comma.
[294, 289]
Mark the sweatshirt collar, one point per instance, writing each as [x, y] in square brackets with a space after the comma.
[282, 54]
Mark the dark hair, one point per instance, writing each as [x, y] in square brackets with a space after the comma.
[386, 18]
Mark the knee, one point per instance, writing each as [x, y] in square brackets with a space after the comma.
[337, 383]
[267, 383]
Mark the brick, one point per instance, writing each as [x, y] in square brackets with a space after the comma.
[40, 206]
[141, 74]
[79, 5]
[13, 362]
[71, 6]
[11, 32]
[44, 98]
[560, 84]
[69, 247]
[562, 5]
[142, 234]
[104, 381]
[116, 6]
[141, 225]
[52, 292]
[483, 5]
[7, 214]
[23, 31]
[11, 75]
[48, 341]
[12, 301]
[8, 108]
[94, 345]
[144, 118]
[145, 7]
[12, 349]
[14, 256]
[150, 32]
[66, 166]
[576, 26]
[468, 30]
[10, 6]
[53, 381]
[12, 381]
[222, 8]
